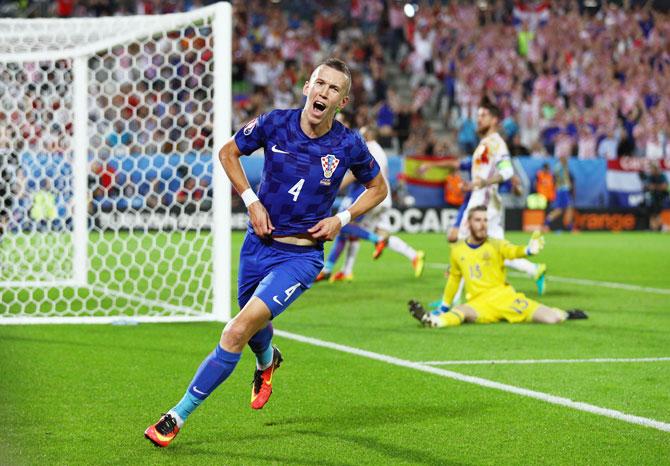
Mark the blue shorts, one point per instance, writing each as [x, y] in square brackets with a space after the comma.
[563, 199]
[276, 273]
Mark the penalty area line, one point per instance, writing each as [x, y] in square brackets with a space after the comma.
[557, 400]
[580, 281]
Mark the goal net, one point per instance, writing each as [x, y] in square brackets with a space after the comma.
[113, 205]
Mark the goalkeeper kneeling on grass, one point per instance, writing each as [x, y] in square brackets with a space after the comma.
[480, 261]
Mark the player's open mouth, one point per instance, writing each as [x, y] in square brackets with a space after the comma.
[319, 107]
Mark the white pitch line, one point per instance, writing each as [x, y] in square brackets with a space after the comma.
[557, 400]
[147, 302]
[580, 281]
[538, 361]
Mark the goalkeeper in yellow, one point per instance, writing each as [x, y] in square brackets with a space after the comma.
[479, 260]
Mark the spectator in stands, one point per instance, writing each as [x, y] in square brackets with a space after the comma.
[396, 20]
[190, 195]
[385, 121]
[9, 165]
[564, 204]
[43, 210]
[130, 199]
[616, 62]
[21, 201]
[467, 136]
[156, 196]
[454, 195]
[545, 184]
[609, 141]
[106, 182]
[586, 142]
[516, 148]
[656, 194]
[655, 142]
[283, 97]
[421, 139]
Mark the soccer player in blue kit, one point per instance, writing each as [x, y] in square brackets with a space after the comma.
[307, 154]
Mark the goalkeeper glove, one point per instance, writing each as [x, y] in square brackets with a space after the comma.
[535, 244]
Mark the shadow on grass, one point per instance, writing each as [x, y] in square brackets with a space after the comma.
[337, 431]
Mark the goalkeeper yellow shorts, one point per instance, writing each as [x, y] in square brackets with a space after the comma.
[503, 303]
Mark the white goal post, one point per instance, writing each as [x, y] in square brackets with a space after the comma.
[113, 206]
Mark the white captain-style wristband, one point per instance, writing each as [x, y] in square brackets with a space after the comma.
[344, 216]
[249, 197]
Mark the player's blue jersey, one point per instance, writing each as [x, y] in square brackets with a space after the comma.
[465, 164]
[354, 190]
[301, 175]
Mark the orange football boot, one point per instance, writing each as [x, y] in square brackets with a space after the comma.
[379, 247]
[341, 277]
[163, 432]
[323, 275]
[261, 387]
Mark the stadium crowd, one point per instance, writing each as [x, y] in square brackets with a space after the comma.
[418, 73]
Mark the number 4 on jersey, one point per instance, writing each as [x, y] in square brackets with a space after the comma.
[295, 189]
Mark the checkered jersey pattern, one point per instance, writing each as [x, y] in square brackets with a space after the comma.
[301, 176]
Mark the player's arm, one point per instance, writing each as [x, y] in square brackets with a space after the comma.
[512, 251]
[229, 156]
[504, 172]
[453, 282]
[446, 163]
[374, 193]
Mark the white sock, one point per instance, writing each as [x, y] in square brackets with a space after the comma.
[350, 260]
[177, 417]
[399, 246]
[522, 265]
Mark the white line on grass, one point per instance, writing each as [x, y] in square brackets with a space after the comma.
[580, 281]
[557, 400]
[145, 301]
[538, 361]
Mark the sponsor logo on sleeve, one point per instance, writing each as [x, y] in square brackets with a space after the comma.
[249, 127]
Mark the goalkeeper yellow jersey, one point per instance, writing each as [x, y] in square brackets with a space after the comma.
[481, 266]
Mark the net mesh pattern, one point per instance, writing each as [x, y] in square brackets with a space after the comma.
[149, 168]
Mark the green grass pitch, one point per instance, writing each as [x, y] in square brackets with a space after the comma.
[73, 394]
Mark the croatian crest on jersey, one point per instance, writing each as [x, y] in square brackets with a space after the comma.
[329, 164]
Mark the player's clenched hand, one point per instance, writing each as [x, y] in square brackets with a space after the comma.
[260, 219]
[535, 244]
[327, 229]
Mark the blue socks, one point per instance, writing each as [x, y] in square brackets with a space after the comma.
[264, 359]
[185, 407]
[212, 372]
[358, 232]
[216, 368]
